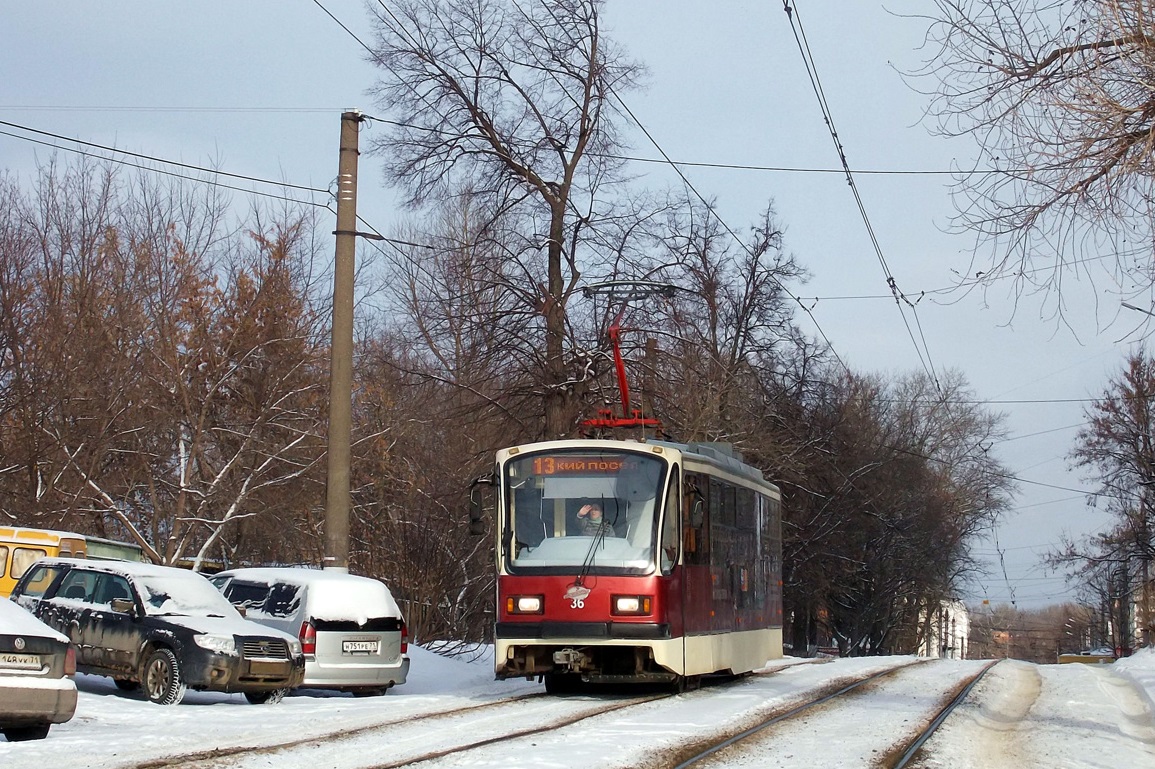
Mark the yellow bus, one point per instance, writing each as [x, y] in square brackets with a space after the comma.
[20, 548]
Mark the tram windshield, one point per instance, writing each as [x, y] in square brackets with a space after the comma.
[582, 509]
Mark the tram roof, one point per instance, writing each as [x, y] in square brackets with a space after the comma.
[721, 454]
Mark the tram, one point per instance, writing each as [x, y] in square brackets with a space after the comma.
[681, 577]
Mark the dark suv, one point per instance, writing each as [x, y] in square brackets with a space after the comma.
[160, 627]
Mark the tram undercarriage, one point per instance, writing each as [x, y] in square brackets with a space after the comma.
[591, 664]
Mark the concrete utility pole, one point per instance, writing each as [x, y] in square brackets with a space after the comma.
[337, 495]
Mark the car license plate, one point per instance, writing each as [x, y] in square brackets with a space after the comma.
[20, 661]
[268, 668]
[359, 647]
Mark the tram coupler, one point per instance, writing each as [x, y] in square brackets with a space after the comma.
[572, 659]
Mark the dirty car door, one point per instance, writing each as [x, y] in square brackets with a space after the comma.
[116, 633]
[70, 612]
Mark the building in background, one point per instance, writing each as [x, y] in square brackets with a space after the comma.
[947, 632]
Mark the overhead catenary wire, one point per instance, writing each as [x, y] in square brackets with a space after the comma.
[920, 344]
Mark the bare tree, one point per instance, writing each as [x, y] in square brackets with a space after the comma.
[1060, 97]
[893, 485]
[729, 330]
[163, 373]
[514, 101]
[1118, 446]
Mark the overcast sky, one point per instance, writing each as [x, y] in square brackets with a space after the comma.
[257, 88]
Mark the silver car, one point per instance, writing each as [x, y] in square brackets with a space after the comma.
[36, 669]
[351, 630]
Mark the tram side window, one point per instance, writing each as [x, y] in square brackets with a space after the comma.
[696, 519]
[769, 549]
[746, 510]
[3, 559]
[533, 522]
[734, 542]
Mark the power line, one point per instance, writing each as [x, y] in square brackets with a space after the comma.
[289, 185]
[154, 170]
[110, 108]
[798, 169]
[395, 242]
[814, 300]
[160, 160]
[612, 156]
[347, 30]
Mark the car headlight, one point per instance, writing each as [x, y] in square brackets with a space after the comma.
[221, 644]
[294, 647]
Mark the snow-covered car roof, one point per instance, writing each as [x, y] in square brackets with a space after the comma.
[296, 575]
[17, 620]
[128, 568]
[164, 589]
[333, 595]
[177, 595]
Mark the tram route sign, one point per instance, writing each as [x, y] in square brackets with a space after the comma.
[569, 464]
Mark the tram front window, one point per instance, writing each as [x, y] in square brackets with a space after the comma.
[575, 509]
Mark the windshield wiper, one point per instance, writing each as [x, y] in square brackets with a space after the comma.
[588, 561]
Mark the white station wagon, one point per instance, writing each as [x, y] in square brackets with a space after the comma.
[351, 630]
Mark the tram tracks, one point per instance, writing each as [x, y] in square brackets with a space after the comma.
[911, 750]
[393, 744]
[216, 755]
[714, 752]
[490, 733]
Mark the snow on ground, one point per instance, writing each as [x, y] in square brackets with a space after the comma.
[113, 729]
[1022, 715]
[1077, 716]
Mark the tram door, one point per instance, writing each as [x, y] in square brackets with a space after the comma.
[697, 590]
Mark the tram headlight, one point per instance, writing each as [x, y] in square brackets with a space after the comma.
[631, 604]
[525, 604]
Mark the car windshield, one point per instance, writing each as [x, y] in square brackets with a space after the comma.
[184, 594]
[582, 509]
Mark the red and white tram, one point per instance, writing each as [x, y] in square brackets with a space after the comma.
[682, 580]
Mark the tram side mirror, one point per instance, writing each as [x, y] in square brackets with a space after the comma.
[477, 504]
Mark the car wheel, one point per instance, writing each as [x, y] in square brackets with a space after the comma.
[266, 698]
[126, 684]
[162, 681]
[22, 733]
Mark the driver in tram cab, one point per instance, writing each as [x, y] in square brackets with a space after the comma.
[591, 522]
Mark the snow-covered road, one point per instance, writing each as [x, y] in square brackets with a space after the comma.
[1020, 715]
[1053, 716]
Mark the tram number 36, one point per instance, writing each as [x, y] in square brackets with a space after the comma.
[577, 603]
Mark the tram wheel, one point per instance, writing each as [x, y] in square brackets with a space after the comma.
[562, 683]
[685, 684]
